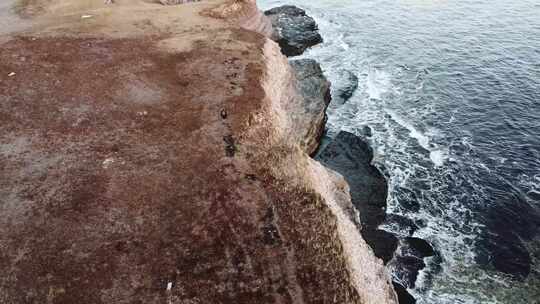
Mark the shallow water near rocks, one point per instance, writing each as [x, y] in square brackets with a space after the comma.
[451, 92]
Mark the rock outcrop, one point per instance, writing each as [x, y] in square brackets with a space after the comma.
[309, 113]
[293, 29]
[350, 156]
[404, 297]
[348, 85]
[148, 156]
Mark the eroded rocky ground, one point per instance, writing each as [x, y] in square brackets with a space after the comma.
[145, 157]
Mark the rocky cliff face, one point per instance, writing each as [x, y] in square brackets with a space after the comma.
[150, 155]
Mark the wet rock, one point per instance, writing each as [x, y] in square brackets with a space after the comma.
[293, 29]
[350, 156]
[404, 297]
[383, 243]
[310, 114]
[348, 85]
[366, 131]
[417, 247]
[409, 260]
[405, 269]
[402, 225]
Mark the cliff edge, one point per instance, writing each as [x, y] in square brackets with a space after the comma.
[148, 155]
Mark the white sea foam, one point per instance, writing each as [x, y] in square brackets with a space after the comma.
[422, 139]
[378, 83]
[438, 157]
[436, 154]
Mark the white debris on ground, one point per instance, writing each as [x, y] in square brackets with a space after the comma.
[11, 74]
[107, 162]
[86, 16]
[169, 286]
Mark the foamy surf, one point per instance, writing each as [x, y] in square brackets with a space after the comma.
[378, 83]
[437, 155]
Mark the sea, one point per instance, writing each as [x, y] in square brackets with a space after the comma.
[451, 93]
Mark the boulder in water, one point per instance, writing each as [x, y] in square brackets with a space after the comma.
[350, 156]
[417, 247]
[294, 30]
[366, 131]
[383, 243]
[406, 268]
[346, 86]
[401, 225]
[404, 297]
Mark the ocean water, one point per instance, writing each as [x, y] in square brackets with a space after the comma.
[451, 91]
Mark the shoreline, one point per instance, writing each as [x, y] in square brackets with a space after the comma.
[404, 255]
[158, 163]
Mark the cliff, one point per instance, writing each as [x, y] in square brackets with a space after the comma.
[150, 154]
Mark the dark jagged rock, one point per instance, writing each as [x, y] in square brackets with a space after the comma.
[410, 260]
[406, 268]
[403, 225]
[350, 156]
[403, 296]
[348, 85]
[293, 29]
[383, 243]
[366, 131]
[311, 114]
[417, 247]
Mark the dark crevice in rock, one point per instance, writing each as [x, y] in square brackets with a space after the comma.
[269, 230]
[230, 145]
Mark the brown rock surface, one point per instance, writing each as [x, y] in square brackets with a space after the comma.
[145, 157]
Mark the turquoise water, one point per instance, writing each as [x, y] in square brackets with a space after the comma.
[451, 91]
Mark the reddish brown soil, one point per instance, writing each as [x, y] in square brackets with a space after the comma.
[124, 168]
